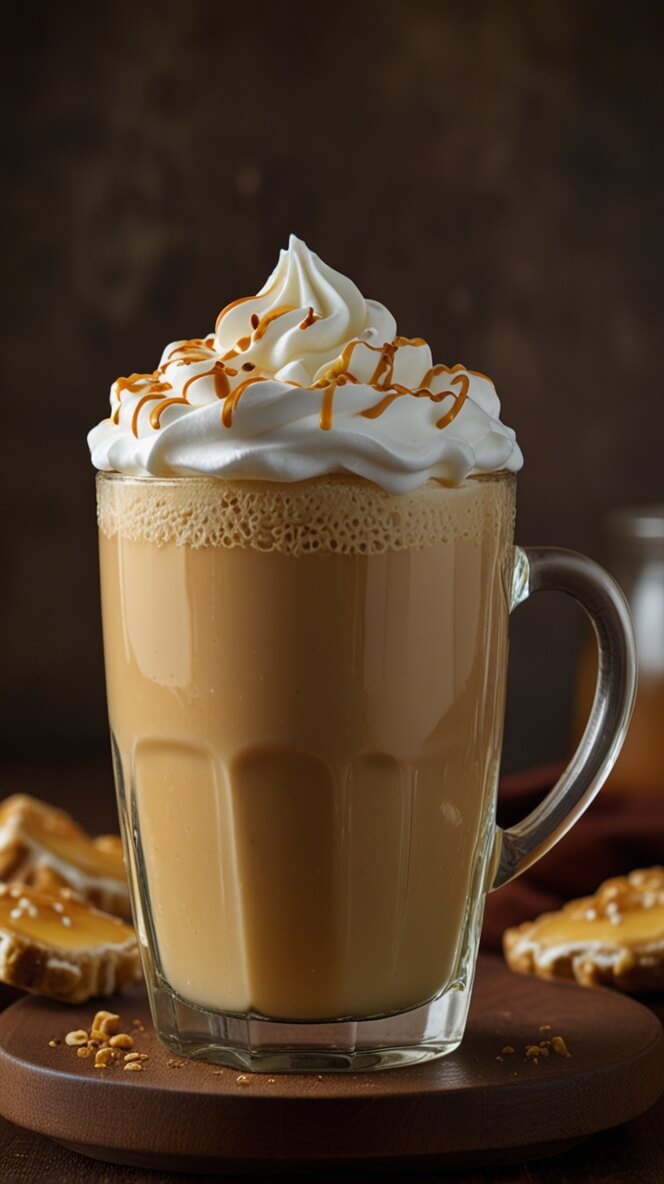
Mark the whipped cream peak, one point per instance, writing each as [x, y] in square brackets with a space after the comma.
[304, 379]
[298, 320]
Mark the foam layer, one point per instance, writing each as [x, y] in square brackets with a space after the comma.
[331, 515]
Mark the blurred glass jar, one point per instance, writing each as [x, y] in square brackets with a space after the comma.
[635, 556]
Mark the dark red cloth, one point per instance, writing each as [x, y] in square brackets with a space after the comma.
[620, 831]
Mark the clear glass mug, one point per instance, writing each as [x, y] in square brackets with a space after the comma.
[306, 691]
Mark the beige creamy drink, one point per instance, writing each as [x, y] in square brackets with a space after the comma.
[305, 687]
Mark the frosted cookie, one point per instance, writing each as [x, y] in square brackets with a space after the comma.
[60, 946]
[42, 846]
[614, 938]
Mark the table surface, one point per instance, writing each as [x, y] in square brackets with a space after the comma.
[630, 1154]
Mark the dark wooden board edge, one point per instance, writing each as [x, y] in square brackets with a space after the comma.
[205, 1166]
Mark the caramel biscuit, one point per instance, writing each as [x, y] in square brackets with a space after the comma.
[43, 847]
[59, 945]
[614, 938]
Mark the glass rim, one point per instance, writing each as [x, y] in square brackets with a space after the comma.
[113, 476]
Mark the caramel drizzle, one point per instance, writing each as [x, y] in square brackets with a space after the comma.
[221, 389]
[232, 400]
[265, 321]
[338, 375]
[310, 318]
[383, 373]
[233, 304]
[234, 397]
[382, 379]
[259, 326]
[459, 400]
[423, 392]
[240, 346]
[340, 367]
[197, 349]
[135, 383]
[461, 376]
[327, 405]
[245, 300]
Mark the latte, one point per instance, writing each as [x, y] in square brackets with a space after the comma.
[305, 689]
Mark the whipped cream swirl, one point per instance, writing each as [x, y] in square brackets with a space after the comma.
[306, 378]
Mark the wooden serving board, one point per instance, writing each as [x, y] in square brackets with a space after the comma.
[470, 1107]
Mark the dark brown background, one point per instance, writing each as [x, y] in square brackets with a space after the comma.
[490, 170]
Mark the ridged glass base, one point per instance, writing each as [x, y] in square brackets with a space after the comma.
[267, 1046]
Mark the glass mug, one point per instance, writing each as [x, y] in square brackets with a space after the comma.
[306, 689]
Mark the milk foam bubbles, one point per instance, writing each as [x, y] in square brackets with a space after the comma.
[303, 380]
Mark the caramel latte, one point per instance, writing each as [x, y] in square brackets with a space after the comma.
[305, 690]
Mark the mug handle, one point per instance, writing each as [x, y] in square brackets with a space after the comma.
[539, 569]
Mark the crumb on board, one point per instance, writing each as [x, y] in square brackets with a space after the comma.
[560, 1046]
[537, 1051]
[104, 1042]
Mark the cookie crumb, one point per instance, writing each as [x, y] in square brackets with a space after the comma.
[105, 1024]
[122, 1040]
[537, 1052]
[104, 1043]
[242, 1079]
[77, 1037]
[560, 1047]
